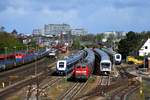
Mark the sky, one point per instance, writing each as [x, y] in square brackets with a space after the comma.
[93, 15]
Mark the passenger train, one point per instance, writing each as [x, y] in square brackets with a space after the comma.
[66, 65]
[84, 69]
[116, 57]
[22, 59]
[105, 62]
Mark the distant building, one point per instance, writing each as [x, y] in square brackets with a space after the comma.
[117, 35]
[145, 49]
[78, 32]
[37, 32]
[26, 41]
[56, 29]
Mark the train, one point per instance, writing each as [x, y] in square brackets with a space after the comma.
[22, 59]
[83, 70]
[53, 53]
[116, 57]
[66, 65]
[105, 64]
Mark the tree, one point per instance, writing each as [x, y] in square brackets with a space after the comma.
[2, 29]
[14, 32]
[88, 37]
[99, 37]
[111, 40]
[132, 42]
[76, 44]
[9, 41]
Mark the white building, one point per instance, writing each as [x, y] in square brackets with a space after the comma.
[145, 49]
[56, 29]
[117, 35]
[78, 32]
[37, 32]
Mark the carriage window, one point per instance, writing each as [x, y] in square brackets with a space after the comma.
[105, 65]
[61, 64]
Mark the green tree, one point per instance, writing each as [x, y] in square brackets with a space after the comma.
[76, 44]
[131, 44]
[99, 37]
[9, 41]
[111, 40]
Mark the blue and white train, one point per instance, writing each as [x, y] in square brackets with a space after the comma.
[67, 65]
[117, 58]
[105, 62]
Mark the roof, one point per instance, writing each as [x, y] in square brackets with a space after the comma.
[104, 55]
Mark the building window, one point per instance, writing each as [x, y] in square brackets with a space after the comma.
[146, 47]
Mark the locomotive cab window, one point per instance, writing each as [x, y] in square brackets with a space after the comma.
[61, 64]
[83, 66]
[105, 65]
[78, 66]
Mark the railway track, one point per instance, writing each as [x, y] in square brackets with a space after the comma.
[10, 89]
[131, 86]
[30, 79]
[73, 91]
[32, 92]
[103, 83]
[27, 74]
[17, 74]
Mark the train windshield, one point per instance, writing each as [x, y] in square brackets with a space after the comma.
[61, 64]
[78, 67]
[83, 65]
[118, 57]
[105, 65]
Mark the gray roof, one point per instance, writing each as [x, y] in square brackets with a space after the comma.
[102, 54]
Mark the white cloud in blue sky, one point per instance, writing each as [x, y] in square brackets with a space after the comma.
[94, 15]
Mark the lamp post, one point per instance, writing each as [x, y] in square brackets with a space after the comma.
[36, 72]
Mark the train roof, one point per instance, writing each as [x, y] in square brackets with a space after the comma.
[110, 51]
[74, 57]
[104, 55]
[90, 55]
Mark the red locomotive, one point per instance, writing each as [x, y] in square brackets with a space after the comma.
[85, 68]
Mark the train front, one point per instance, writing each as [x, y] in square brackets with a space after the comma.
[105, 67]
[118, 58]
[81, 72]
[61, 67]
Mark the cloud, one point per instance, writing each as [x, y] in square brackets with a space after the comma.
[120, 4]
[95, 15]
